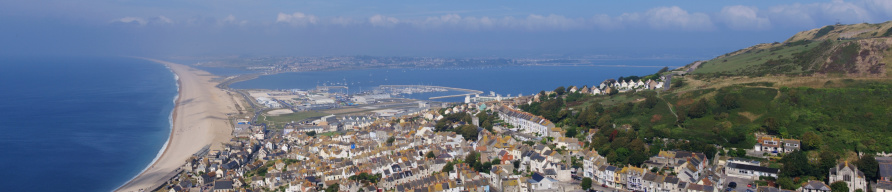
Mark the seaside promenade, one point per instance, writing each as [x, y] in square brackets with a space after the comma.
[199, 119]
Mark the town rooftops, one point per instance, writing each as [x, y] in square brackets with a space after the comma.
[884, 185]
[844, 165]
[885, 167]
[223, 185]
[771, 189]
[753, 168]
[816, 185]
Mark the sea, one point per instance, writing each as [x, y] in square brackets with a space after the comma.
[504, 81]
[93, 123]
[81, 123]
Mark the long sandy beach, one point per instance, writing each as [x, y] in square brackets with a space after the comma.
[199, 119]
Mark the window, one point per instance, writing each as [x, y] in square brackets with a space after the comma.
[847, 178]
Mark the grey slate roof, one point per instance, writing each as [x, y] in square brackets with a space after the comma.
[753, 168]
[816, 185]
[222, 184]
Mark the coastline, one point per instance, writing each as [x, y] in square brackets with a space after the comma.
[170, 119]
[188, 131]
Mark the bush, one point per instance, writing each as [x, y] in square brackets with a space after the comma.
[676, 83]
[839, 186]
[586, 183]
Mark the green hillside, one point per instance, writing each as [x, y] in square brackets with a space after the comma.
[830, 92]
[859, 50]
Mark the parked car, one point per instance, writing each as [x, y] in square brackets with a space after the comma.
[732, 185]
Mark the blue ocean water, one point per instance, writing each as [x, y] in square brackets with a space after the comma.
[80, 124]
[514, 80]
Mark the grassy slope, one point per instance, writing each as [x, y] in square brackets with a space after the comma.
[748, 60]
[849, 113]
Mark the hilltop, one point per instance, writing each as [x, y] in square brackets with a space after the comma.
[857, 50]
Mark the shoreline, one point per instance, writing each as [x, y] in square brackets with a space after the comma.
[195, 121]
[171, 120]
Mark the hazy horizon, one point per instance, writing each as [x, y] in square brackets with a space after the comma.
[682, 29]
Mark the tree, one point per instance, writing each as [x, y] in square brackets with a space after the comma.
[663, 70]
[586, 183]
[786, 183]
[839, 186]
[650, 100]
[333, 188]
[795, 164]
[469, 132]
[390, 140]
[471, 158]
[678, 82]
[771, 126]
[811, 141]
[605, 121]
[868, 164]
[571, 132]
[560, 90]
[828, 159]
[739, 152]
[485, 121]
[730, 101]
[699, 109]
[430, 154]
[311, 133]
[448, 167]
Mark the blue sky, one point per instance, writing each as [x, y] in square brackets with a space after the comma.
[575, 28]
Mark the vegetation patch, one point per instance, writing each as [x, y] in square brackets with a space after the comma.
[823, 31]
[749, 116]
[843, 60]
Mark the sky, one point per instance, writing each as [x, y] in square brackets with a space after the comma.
[458, 28]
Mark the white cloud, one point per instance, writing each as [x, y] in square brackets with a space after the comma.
[824, 13]
[603, 21]
[143, 21]
[231, 20]
[670, 18]
[539, 22]
[297, 18]
[381, 20]
[453, 21]
[675, 18]
[743, 18]
[879, 7]
[531, 22]
[131, 20]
